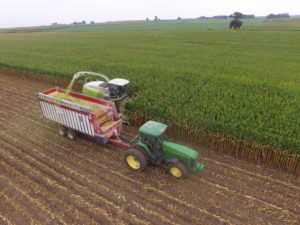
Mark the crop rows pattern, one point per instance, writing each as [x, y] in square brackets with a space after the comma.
[48, 179]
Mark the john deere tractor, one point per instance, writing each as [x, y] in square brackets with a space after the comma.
[150, 147]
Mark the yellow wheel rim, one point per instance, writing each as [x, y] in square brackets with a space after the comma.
[133, 162]
[175, 172]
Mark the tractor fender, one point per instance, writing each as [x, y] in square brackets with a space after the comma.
[145, 147]
[172, 160]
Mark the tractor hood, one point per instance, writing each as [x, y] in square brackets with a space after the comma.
[180, 150]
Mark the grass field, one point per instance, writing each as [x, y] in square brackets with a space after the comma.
[186, 24]
[192, 24]
[243, 84]
[292, 24]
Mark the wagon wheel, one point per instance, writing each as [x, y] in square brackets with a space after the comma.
[62, 130]
[178, 170]
[135, 159]
[71, 134]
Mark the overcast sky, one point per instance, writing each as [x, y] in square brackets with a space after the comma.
[18, 13]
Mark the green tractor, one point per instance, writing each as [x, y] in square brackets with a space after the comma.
[150, 147]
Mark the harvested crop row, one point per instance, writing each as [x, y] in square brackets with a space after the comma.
[33, 127]
[39, 193]
[230, 168]
[121, 184]
[190, 209]
[204, 202]
[81, 176]
[229, 165]
[84, 168]
[57, 185]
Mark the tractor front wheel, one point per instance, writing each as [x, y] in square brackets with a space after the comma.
[135, 159]
[178, 170]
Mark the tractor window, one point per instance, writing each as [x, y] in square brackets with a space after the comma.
[154, 143]
[113, 89]
[123, 89]
[162, 137]
[143, 138]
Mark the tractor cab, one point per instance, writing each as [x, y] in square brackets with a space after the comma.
[151, 147]
[153, 134]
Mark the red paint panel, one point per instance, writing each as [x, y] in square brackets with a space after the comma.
[96, 125]
[50, 91]
[117, 126]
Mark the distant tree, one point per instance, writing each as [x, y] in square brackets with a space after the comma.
[236, 15]
[54, 24]
[156, 18]
[252, 16]
[83, 22]
[92, 22]
[235, 24]
[220, 17]
[271, 16]
[203, 17]
[147, 19]
[179, 18]
[277, 16]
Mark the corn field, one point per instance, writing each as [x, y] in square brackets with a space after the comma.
[240, 85]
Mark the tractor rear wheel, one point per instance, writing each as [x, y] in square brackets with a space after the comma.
[71, 134]
[141, 149]
[135, 159]
[178, 170]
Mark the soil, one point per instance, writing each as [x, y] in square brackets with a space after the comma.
[49, 179]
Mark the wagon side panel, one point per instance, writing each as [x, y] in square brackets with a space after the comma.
[79, 121]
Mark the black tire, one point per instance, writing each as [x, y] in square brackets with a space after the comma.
[71, 134]
[141, 149]
[135, 159]
[62, 131]
[178, 170]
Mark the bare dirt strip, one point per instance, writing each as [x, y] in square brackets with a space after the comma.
[48, 179]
